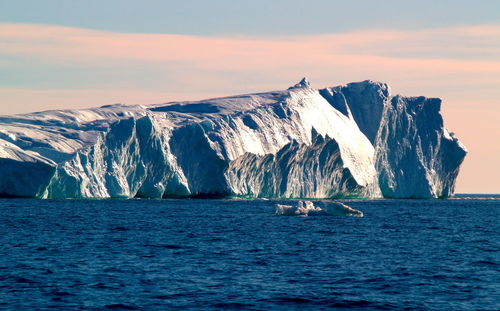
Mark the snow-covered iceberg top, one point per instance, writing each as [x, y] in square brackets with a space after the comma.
[354, 140]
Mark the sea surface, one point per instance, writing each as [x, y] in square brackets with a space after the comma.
[237, 254]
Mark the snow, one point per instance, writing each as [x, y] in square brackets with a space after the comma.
[347, 141]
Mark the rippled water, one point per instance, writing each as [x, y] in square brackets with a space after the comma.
[231, 254]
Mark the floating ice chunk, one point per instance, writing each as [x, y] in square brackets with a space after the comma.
[286, 210]
[339, 209]
[303, 208]
[307, 208]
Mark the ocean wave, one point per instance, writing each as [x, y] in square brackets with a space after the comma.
[482, 197]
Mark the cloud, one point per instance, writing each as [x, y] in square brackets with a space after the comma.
[56, 43]
[182, 62]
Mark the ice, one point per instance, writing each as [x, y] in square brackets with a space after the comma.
[416, 157]
[320, 208]
[304, 83]
[348, 141]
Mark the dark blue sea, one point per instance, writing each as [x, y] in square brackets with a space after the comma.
[237, 254]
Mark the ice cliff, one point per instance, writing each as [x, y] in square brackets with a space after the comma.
[346, 141]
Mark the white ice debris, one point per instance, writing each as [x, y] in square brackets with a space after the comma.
[319, 208]
[347, 141]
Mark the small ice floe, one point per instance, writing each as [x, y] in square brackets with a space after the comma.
[303, 208]
[322, 208]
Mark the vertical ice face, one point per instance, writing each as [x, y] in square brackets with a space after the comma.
[416, 157]
[25, 177]
[345, 141]
[313, 170]
[131, 159]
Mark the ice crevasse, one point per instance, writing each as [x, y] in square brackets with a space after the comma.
[354, 140]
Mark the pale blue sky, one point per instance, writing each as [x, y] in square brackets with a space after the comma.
[256, 17]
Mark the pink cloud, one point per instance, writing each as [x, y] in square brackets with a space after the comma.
[357, 48]
[14, 100]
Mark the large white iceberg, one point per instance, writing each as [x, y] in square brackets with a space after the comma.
[347, 141]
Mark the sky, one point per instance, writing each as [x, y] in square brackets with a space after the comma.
[69, 54]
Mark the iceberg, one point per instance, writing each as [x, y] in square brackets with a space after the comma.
[347, 141]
